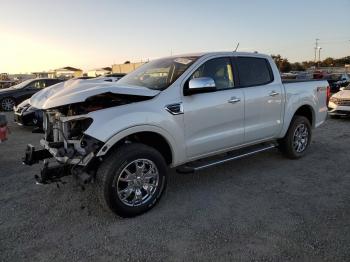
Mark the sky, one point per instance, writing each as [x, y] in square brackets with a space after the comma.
[39, 35]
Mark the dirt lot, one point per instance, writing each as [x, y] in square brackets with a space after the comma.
[263, 208]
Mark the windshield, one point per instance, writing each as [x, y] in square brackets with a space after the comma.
[23, 84]
[158, 74]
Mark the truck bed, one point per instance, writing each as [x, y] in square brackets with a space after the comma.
[289, 81]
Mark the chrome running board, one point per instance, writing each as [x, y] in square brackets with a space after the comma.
[232, 155]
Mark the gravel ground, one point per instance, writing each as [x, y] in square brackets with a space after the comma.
[262, 208]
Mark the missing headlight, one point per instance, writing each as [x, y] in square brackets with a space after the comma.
[76, 128]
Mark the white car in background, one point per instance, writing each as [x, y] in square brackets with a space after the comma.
[339, 103]
[109, 78]
[114, 77]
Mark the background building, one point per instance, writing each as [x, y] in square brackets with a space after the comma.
[99, 71]
[125, 68]
[66, 72]
[41, 74]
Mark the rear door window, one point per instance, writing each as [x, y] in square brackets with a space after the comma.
[253, 71]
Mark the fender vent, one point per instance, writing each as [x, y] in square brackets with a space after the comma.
[175, 109]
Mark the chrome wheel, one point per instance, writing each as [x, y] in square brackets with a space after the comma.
[7, 104]
[137, 182]
[300, 138]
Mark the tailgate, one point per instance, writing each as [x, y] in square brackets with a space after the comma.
[322, 94]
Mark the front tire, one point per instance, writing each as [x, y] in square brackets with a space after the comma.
[297, 140]
[132, 179]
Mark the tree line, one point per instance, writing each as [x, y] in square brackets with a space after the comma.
[285, 66]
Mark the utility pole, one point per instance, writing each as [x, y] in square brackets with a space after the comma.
[319, 56]
[316, 47]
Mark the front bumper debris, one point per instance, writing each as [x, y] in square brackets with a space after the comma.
[51, 174]
[33, 156]
[54, 172]
[47, 174]
[65, 142]
[54, 150]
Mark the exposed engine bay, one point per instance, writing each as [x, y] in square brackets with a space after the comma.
[98, 102]
[64, 127]
[64, 137]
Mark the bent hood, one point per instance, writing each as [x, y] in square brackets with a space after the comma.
[75, 91]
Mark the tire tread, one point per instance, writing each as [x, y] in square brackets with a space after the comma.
[109, 164]
[285, 143]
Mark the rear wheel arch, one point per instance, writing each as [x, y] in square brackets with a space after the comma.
[306, 111]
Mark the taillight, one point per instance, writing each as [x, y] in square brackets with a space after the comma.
[328, 94]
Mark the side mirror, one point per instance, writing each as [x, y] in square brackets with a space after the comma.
[201, 85]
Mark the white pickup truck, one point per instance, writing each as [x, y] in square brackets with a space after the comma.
[189, 112]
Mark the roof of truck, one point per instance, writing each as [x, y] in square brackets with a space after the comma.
[254, 54]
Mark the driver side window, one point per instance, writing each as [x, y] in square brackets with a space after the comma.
[220, 70]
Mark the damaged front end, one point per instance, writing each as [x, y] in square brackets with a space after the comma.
[66, 108]
[65, 141]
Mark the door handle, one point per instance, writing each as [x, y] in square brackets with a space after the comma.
[234, 100]
[273, 93]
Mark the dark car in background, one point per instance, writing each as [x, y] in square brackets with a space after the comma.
[26, 115]
[336, 81]
[9, 97]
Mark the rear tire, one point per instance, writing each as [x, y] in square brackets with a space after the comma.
[132, 179]
[297, 140]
